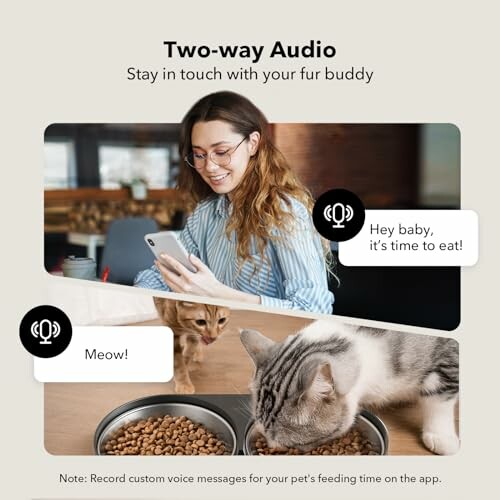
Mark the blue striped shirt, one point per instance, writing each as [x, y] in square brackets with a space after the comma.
[293, 276]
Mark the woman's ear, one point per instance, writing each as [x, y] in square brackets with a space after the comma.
[253, 142]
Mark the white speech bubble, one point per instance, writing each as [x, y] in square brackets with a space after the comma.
[414, 238]
[111, 354]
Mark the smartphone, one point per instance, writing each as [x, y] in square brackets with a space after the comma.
[167, 242]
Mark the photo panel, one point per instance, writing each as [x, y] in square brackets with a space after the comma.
[108, 185]
[249, 382]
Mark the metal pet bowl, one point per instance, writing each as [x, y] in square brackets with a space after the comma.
[367, 423]
[158, 406]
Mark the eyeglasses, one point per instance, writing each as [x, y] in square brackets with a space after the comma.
[220, 158]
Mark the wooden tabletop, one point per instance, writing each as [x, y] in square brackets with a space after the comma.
[73, 411]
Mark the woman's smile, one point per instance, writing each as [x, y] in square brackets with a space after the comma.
[217, 180]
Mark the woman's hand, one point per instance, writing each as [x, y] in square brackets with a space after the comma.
[182, 280]
[202, 282]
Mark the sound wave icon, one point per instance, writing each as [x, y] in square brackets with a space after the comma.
[52, 330]
[339, 214]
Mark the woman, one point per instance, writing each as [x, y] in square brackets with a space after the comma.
[250, 236]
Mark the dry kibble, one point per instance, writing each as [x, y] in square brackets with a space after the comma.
[164, 436]
[353, 443]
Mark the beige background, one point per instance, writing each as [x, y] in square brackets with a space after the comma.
[65, 62]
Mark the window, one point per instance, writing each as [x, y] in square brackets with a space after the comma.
[440, 165]
[60, 171]
[120, 164]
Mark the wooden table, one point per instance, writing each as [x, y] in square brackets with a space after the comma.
[73, 411]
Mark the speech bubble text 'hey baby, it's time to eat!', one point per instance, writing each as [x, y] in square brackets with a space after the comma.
[414, 238]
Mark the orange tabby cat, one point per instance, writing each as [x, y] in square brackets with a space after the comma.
[193, 325]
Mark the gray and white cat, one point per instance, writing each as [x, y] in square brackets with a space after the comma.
[309, 388]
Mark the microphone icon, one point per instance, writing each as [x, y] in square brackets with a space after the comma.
[339, 214]
[45, 330]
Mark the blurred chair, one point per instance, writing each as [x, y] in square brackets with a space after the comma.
[125, 252]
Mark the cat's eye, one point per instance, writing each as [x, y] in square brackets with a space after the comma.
[200, 322]
[222, 320]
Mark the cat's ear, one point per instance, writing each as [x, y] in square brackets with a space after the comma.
[185, 307]
[323, 379]
[316, 381]
[345, 372]
[256, 344]
[181, 304]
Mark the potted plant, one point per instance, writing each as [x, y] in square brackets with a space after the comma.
[138, 188]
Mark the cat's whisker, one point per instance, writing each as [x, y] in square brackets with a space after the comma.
[236, 390]
[244, 408]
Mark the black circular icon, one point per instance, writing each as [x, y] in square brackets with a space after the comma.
[338, 215]
[45, 331]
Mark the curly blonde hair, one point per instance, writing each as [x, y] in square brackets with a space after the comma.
[261, 201]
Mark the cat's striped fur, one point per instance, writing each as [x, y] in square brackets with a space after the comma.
[309, 388]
